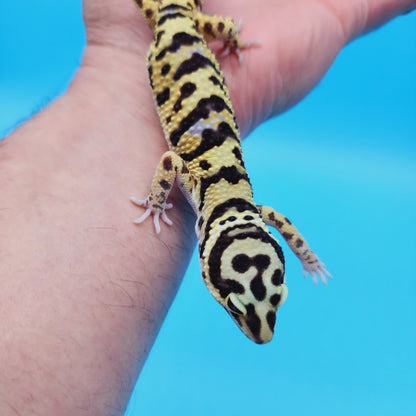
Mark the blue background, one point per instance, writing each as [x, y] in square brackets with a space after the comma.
[342, 165]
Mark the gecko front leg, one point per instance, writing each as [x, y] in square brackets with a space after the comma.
[170, 167]
[213, 27]
[310, 261]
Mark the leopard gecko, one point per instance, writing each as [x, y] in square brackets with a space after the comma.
[242, 264]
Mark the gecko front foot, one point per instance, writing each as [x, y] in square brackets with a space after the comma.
[316, 268]
[156, 211]
[235, 45]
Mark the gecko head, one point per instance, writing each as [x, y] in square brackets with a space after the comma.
[243, 267]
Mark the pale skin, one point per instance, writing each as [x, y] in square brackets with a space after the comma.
[83, 290]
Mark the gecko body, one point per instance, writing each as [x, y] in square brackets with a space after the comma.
[242, 263]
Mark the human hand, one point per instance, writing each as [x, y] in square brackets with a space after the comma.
[299, 41]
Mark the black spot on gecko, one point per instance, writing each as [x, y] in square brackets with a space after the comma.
[162, 97]
[257, 287]
[165, 69]
[278, 223]
[277, 278]
[139, 3]
[241, 263]
[253, 321]
[271, 319]
[167, 163]
[275, 299]
[229, 219]
[164, 184]
[261, 261]
[195, 62]
[187, 90]
[149, 13]
[287, 236]
[299, 243]
[178, 40]
[220, 27]
[216, 82]
[248, 217]
[208, 28]
[203, 164]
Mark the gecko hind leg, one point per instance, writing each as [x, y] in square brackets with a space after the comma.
[170, 167]
[310, 261]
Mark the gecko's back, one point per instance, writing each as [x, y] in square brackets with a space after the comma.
[194, 105]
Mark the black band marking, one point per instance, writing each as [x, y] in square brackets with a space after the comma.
[195, 62]
[211, 138]
[201, 111]
[178, 40]
[238, 204]
[173, 7]
[169, 16]
[228, 173]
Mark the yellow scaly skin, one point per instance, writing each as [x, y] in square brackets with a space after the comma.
[242, 263]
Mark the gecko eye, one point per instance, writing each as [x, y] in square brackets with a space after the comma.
[234, 305]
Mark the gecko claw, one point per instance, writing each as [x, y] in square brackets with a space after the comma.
[317, 269]
[157, 214]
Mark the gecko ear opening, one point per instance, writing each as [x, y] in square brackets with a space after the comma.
[234, 305]
[283, 295]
